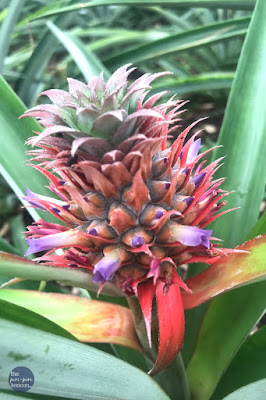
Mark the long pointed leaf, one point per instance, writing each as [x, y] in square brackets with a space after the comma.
[231, 4]
[7, 27]
[230, 318]
[15, 266]
[68, 369]
[88, 320]
[228, 273]
[187, 40]
[28, 87]
[13, 134]
[85, 59]
[197, 83]
[239, 373]
[12, 312]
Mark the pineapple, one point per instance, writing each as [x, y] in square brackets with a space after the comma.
[132, 208]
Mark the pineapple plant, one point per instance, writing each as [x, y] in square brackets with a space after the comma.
[132, 207]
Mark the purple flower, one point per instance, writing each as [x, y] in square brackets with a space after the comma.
[188, 200]
[106, 267]
[137, 241]
[31, 195]
[159, 214]
[48, 242]
[198, 178]
[93, 232]
[191, 235]
[193, 150]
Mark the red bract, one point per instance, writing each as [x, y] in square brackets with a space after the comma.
[133, 209]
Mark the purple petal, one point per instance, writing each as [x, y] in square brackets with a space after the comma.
[33, 195]
[186, 171]
[193, 150]
[137, 241]
[93, 232]
[49, 242]
[159, 214]
[191, 235]
[41, 244]
[188, 200]
[198, 178]
[106, 267]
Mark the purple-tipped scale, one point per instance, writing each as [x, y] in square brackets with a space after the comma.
[198, 178]
[159, 214]
[93, 232]
[137, 241]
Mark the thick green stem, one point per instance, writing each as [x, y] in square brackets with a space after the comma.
[172, 379]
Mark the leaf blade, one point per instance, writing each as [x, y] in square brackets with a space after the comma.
[88, 320]
[13, 165]
[86, 60]
[72, 370]
[219, 324]
[232, 4]
[228, 273]
[11, 265]
[191, 39]
[239, 373]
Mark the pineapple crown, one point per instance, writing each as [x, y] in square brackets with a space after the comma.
[101, 118]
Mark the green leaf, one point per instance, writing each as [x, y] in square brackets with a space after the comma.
[88, 320]
[72, 370]
[243, 137]
[239, 373]
[15, 266]
[12, 312]
[191, 39]
[31, 82]
[198, 83]
[231, 317]
[131, 356]
[259, 228]
[232, 4]
[86, 60]
[5, 246]
[17, 226]
[7, 27]
[6, 396]
[13, 134]
[227, 322]
[229, 272]
[254, 391]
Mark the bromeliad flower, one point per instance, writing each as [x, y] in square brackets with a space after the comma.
[132, 208]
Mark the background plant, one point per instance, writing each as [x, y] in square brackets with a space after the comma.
[46, 41]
